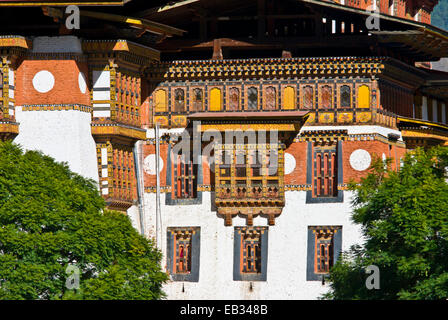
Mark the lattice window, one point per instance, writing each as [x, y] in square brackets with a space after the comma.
[252, 98]
[183, 253]
[326, 240]
[127, 89]
[345, 97]
[324, 252]
[325, 172]
[324, 248]
[7, 89]
[184, 178]
[271, 96]
[251, 252]
[251, 246]
[246, 173]
[234, 95]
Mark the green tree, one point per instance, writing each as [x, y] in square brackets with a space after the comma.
[404, 221]
[51, 218]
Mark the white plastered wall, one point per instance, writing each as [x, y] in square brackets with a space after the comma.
[64, 135]
[287, 248]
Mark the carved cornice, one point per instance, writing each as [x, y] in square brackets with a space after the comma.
[267, 68]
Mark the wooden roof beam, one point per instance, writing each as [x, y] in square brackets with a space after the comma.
[148, 25]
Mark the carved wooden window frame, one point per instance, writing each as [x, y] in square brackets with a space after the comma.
[191, 237]
[245, 238]
[322, 237]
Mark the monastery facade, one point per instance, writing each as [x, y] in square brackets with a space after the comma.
[310, 94]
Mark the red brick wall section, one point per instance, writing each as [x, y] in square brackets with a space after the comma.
[299, 151]
[149, 179]
[403, 8]
[298, 176]
[376, 149]
[66, 88]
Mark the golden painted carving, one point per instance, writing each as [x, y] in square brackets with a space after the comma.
[8, 130]
[311, 118]
[163, 121]
[326, 117]
[15, 41]
[363, 116]
[179, 121]
[345, 117]
[257, 126]
[118, 130]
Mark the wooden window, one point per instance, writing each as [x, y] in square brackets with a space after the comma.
[250, 262]
[345, 97]
[160, 101]
[326, 97]
[251, 252]
[253, 173]
[363, 97]
[185, 178]
[325, 172]
[271, 97]
[234, 95]
[215, 99]
[198, 99]
[252, 98]
[179, 100]
[289, 97]
[183, 253]
[324, 247]
[323, 252]
[308, 97]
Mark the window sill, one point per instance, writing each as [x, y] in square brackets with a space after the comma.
[338, 199]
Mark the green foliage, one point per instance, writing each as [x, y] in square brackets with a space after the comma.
[50, 218]
[404, 220]
[439, 17]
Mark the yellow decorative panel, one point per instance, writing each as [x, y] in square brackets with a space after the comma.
[289, 99]
[160, 101]
[363, 116]
[363, 97]
[215, 100]
[345, 117]
[179, 121]
[311, 118]
[326, 117]
[163, 121]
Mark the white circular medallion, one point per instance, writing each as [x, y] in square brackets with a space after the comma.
[82, 82]
[360, 160]
[290, 163]
[149, 164]
[43, 81]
